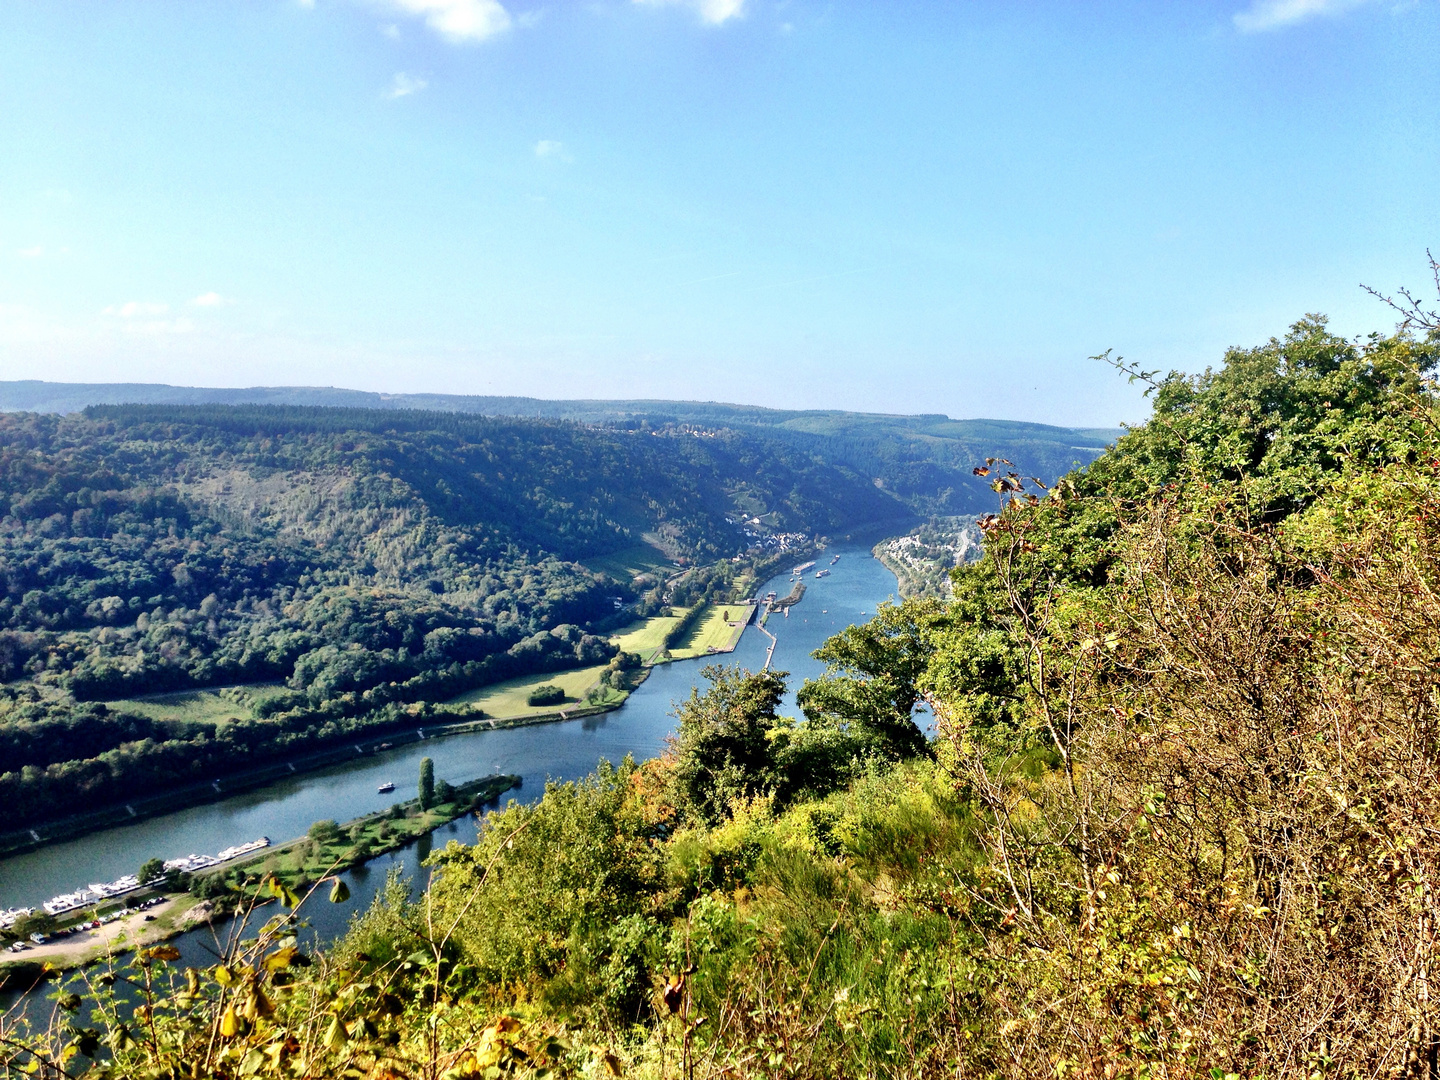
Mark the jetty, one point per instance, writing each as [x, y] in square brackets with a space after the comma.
[786, 602]
[770, 652]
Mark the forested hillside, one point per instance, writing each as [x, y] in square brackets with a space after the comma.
[925, 460]
[1176, 818]
[355, 560]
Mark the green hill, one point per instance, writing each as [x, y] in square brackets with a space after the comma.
[926, 460]
[369, 560]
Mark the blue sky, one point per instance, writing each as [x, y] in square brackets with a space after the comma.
[901, 207]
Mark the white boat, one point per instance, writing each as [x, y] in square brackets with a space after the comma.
[385, 788]
[242, 849]
[105, 890]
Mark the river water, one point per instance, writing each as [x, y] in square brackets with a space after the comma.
[560, 751]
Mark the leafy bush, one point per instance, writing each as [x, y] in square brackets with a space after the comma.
[546, 694]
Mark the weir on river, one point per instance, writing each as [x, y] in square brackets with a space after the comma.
[566, 750]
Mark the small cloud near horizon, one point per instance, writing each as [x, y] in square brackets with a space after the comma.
[30, 252]
[211, 299]
[404, 85]
[1264, 15]
[458, 21]
[711, 12]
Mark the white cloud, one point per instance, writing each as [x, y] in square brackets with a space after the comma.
[459, 20]
[211, 299]
[30, 252]
[404, 85]
[135, 309]
[711, 12]
[1264, 15]
[142, 317]
[553, 149]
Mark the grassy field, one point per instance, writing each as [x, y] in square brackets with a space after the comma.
[507, 699]
[204, 706]
[646, 636]
[714, 631]
[628, 562]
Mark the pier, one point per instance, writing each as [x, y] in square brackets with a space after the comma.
[770, 652]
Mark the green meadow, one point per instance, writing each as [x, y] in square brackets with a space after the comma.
[506, 700]
[198, 706]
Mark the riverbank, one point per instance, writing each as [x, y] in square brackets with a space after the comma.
[717, 633]
[557, 752]
[922, 559]
[462, 720]
[298, 863]
[140, 929]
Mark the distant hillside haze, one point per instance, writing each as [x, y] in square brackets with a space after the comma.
[924, 460]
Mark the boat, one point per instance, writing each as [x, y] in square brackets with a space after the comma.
[242, 849]
[99, 891]
[834, 560]
[385, 788]
[822, 573]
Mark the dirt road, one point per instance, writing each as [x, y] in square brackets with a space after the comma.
[135, 930]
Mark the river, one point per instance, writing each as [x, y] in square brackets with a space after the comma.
[560, 751]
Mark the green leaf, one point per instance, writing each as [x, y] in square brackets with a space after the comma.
[335, 1037]
[281, 958]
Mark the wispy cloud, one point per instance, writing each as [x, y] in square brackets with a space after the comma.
[30, 252]
[1264, 15]
[144, 317]
[458, 20]
[404, 85]
[136, 309]
[552, 149]
[211, 299]
[711, 12]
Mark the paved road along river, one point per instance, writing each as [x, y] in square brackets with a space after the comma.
[560, 751]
